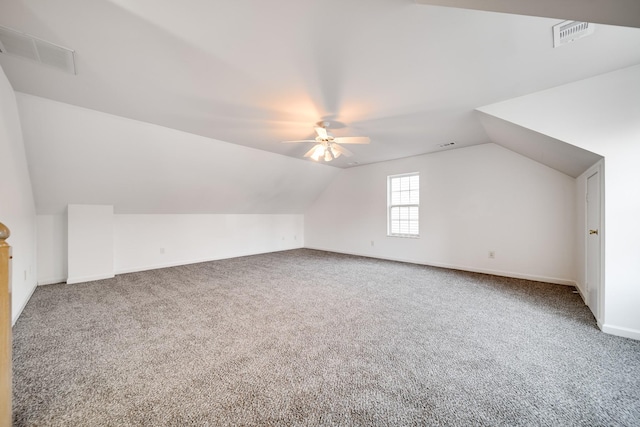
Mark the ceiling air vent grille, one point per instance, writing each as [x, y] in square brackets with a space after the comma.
[447, 144]
[568, 31]
[26, 46]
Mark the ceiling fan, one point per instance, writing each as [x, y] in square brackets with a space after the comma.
[327, 147]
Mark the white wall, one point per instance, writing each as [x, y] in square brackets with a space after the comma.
[138, 240]
[602, 115]
[89, 242]
[52, 249]
[473, 200]
[17, 209]
[145, 242]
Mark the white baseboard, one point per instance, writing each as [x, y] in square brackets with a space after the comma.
[511, 274]
[52, 281]
[532, 277]
[581, 292]
[621, 332]
[72, 280]
[196, 261]
[166, 265]
[17, 314]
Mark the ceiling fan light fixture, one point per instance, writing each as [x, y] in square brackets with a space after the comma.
[327, 146]
[335, 153]
[318, 152]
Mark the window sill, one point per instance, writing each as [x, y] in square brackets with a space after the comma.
[406, 236]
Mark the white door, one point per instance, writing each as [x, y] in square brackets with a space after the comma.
[593, 244]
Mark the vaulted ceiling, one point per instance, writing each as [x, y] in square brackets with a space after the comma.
[254, 72]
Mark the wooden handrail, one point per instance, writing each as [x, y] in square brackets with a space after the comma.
[5, 328]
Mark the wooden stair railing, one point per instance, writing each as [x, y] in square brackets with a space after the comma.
[5, 328]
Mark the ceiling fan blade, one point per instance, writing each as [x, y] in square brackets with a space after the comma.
[341, 150]
[310, 152]
[301, 140]
[322, 132]
[353, 140]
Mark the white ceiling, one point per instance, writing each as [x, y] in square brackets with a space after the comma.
[80, 156]
[556, 154]
[255, 73]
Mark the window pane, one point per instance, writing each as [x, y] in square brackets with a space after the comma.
[404, 183]
[404, 200]
[395, 198]
[414, 197]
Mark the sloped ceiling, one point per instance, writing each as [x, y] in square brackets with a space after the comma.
[254, 73]
[81, 156]
[556, 154]
[613, 12]
[600, 114]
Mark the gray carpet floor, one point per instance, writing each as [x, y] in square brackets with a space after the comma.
[307, 337]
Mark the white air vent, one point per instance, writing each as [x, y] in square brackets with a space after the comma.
[448, 144]
[20, 44]
[568, 31]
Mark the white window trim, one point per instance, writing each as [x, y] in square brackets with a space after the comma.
[389, 206]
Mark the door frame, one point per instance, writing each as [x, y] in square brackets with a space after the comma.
[598, 168]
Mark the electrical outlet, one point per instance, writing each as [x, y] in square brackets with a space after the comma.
[162, 250]
[372, 243]
[295, 237]
[492, 254]
[25, 275]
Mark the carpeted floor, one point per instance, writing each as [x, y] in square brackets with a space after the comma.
[307, 337]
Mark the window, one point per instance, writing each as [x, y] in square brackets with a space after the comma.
[404, 205]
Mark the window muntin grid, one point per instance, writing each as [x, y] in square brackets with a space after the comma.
[404, 205]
